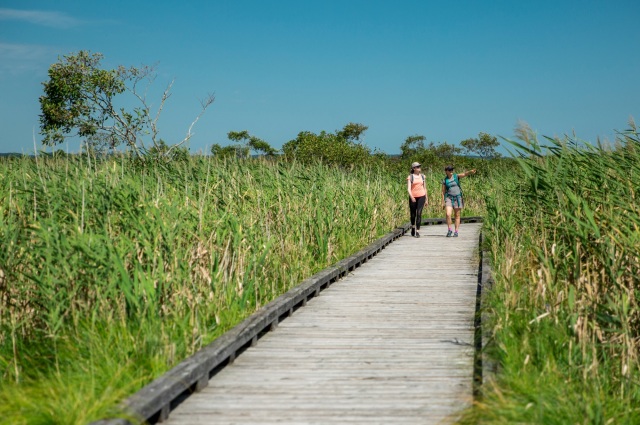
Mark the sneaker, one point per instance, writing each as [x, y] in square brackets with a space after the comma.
[413, 231]
[449, 233]
[417, 234]
[455, 235]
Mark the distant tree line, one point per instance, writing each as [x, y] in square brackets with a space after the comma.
[80, 100]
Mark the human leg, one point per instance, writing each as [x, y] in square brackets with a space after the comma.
[419, 207]
[448, 210]
[457, 214]
[413, 207]
[458, 204]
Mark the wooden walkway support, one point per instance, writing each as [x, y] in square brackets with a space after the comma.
[390, 343]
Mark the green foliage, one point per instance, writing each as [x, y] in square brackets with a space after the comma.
[352, 132]
[261, 147]
[433, 156]
[252, 143]
[79, 96]
[244, 144]
[162, 152]
[564, 312]
[484, 146]
[339, 148]
[443, 152]
[80, 100]
[413, 147]
[230, 151]
[112, 270]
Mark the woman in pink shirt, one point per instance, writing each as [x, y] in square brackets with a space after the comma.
[418, 199]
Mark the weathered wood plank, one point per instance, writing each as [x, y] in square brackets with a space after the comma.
[392, 342]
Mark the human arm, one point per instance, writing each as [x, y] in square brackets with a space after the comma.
[466, 173]
[444, 192]
[426, 191]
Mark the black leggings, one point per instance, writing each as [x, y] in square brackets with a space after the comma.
[416, 210]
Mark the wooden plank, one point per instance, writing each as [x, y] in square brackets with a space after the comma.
[392, 342]
[154, 401]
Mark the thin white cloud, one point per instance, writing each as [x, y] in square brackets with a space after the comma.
[17, 59]
[40, 17]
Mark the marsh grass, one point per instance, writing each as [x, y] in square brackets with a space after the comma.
[112, 272]
[564, 235]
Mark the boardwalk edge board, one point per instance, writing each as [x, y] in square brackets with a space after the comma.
[154, 402]
[489, 367]
[485, 368]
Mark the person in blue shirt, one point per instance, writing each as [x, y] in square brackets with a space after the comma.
[452, 200]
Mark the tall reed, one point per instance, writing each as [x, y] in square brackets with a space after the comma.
[564, 235]
[111, 272]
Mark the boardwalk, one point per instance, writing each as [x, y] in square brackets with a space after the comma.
[392, 343]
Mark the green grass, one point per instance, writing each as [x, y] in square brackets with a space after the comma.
[113, 271]
[564, 236]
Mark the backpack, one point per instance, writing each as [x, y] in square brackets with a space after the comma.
[455, 179]
[423, 180]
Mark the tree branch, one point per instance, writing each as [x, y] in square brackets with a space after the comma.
[204, 103]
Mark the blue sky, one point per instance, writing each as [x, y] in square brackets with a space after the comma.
[443, 69]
